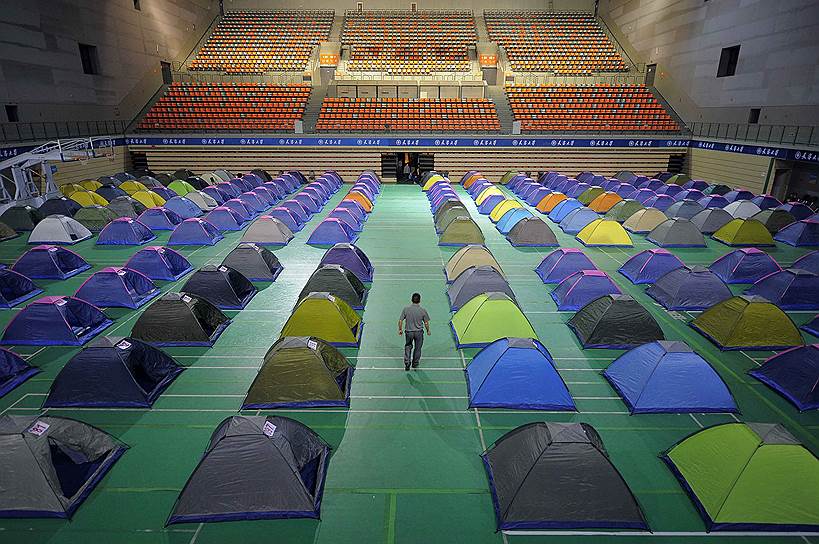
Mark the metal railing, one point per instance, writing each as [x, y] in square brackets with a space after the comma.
[547, 78]
[49, 130]
[277, 78]
[768, 134]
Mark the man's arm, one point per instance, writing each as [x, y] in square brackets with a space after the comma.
[426, 321]
[400, 327]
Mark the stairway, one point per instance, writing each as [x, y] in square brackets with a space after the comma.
[497, 94]
[131, 127]
[684, 129]
[311, 111]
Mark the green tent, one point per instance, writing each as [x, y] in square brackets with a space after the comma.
[488, 317]
[181, 187]
[509, 175]
[461, 231]
[749, 476]
[744, 232]
[327, 317]
[443, 219]
[623, 210]
[590, 194]
[678, 179]
[94, 218]
[300, 372]
[747, 322]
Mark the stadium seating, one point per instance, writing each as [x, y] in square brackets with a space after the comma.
[253, 42]
[227, 106]
[409, 43]
[559, 42]
[407, 115]
[588, 108]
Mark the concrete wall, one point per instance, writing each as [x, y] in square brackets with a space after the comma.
[777, 67]
[476, 5]
[40, 66]
[733, 169]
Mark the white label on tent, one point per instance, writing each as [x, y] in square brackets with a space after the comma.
[124, 344]
[268, 429]
[121, 272]
[39, 428]
[186, 298]
[332, 298]
[61, 302]
[52, 249]
[312, 344]
[222, 269]
[161, 250]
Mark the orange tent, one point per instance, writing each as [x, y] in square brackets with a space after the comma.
[361, 199]
[472, 179]
[605, 202]
[550, 201]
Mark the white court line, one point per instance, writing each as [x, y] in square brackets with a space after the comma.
[659, 534]
[750, 358]
[697, 421]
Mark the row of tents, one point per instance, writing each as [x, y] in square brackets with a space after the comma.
[344, 223]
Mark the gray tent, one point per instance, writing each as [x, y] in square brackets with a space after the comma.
[685, 209]
[222, 286]
[203, 200]
[711, 220]
[58, 229]
[443, 219]
[532, 231]
[689, 289]
[453, 203]
[474, 281]
[742, 209]
[266, 231]
[339, 282]
[180, 319]
[614, 322]
[256, 263]
[94, 218]
[548, 475]
[774, 219]
[51, 464]
[255, 467]
[623, 210]
[676, 233]
[21, 218]
[125, 206]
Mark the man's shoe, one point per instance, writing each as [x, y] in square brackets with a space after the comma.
[414, 365]
[406, 367]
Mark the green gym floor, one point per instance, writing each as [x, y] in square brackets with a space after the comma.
[405, 465]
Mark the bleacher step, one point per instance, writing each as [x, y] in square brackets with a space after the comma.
[313, 108]
[497, 94]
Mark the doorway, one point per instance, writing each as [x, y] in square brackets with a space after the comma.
[651, 71]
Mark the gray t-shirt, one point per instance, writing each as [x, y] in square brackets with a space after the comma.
[415, 315]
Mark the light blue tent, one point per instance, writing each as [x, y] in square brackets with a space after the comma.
[577, 220]
[511, 218]
[563, 209]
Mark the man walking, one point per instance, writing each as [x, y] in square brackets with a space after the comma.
[414, 319]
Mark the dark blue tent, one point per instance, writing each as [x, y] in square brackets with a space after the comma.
[794, 374]
[489, 203]
[59, 206]
[537, 195]
[159, 218]
[332, 231]
[661, 202]
[355, 207]
[801, 233]
[652, 184]
[13, 371]
[808, 261]
[790, 289]
[253, 203]
[577, 190]
[164, 192]
[766, 202]
[512, 218]
[113, 372]
[516, 373]
[695, 288]
[125, 231]
[812, 326]
[668, 377]
[296, 209]
[670, 190]
[239, 208]
[650, 265]
[582, 287]
[713, 201]
[744, 265]
[797, 209]
[351, 258]
[224, 287]
[15, 288]
[195, 232]
[116, 287]
[50, 263]
[183, 207]
[563, 209]
[223, 218]
[738, 194]
[577, 220]
[697, 184]
[55, 321]
[216, 194]
[289, 219]
[307, 202]
[110, 192]
[562, 263]
[159, 263]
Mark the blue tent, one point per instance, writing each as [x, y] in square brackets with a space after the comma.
[516, 373]
[240, 208]
[797, 209]
[125, 231]
[713, 201]
[624, 190]
[13, 371]
[489, 204]
[697, 184]
[266, 197]
[808, 261]
[801, 233]
[790, 289]
[164, 192]
[661, 202]
[275, 189]
[253, 202]
[582, 287]
[812, 326]
[668, 377]
[55, 321]
[50, 263]
[670, 190]
[240, 184]
[562, 263]
[512, 218]
[642, 195]
[117, 287]
[223, 218]
[766, 201]
[537, 195]
[652, 184]
[744, 265]
[110, 192]
[229, 189]
[159, 263]
[15, 288]
[331, 231]
[159, 218]
[355, 207]
[347, 218]
[794, 374]
[695, 288]
[563, 209]
[351, 258]
[307, 202]
[577, 189]
[738, 194]
[296, 209]
[289, 219]
[216, 194]
[577, 220]
[650, 265]
[183, 207]
[113, 372]
[195, 232]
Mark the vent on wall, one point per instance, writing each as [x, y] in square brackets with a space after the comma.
[90, 61]
[753, 116]
[728, 60]
[11, 113]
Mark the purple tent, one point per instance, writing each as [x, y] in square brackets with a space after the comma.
[670, 190]
[797, 209]
[286, 216]
[223, 218]
[231, 190]
[738, 194]
[195, 232]
[117, 287]
[159, 219]
[689, 194]
[348, 218]
[252, 179]
[802, 233]
[316, 193]
[125, 231]
[642, 195]
[582, 287]
[766, 201]
[790, 289]
[697, 184]
[331, 231]
[266, 197]
[55, 321]
[794, 374]
[240, 184]
[216, 194]
[253, 203]
[625, 189]
[296, 209]
[808, 261]
[183, 207]
[650, 265]
[577, 190]
[240, 208]
[562, 263]
[351, 258]
[275, 189]
[745, 265]
[307, 202]
[13, 371]
[159, 263]
[713, 201]
[687, 289]
[652, 184]
[661, 202]
[49, 263]
[15, 288]
[354, 207]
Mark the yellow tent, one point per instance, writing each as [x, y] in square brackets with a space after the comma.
[90, 184]
[432, 181]
[87, 198]
[604, 232]
[149, 199]
[486, 193]
[132, 187]
[327, 317]
[502, 207]
[69, 188]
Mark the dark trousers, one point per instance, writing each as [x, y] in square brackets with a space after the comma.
[416, 339]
